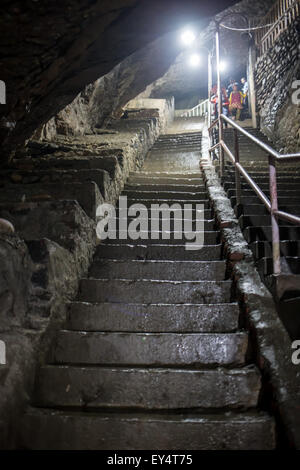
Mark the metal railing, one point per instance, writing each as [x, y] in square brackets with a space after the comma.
[273, 158]
[197, 111]
[282, 14]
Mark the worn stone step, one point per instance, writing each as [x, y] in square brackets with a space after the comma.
[63, 222]
[146, 389]
[293, 193]
[59, 430]
[185, 188]
[262, 166]
[160, 252]
[167, 223]
[168, 237]
[263, 249]
[164, 270]
[136, 194]
[281, 186]
[165, 180]
[261, 232]
[87, 194]
[261, 177]
[259, 221]
[100, 177]
[166, 150]
[181, 205]
[289, 265]
[151, 349]
[260, 209]
[282, 200]
[109, 162]
[155, 318]
[179, 137]
[148, 291]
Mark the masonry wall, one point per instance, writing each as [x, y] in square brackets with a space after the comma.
[275, 73]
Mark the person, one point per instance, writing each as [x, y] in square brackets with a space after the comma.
[230, 86]
[245, 90]
[236, 102]
[214, 99]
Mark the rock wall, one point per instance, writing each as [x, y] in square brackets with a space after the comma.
[50, 51]
[142, 106]
[275, 72]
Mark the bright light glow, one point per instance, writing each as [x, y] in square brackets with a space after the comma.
[223, 66]
[188, 37]
[195, 60]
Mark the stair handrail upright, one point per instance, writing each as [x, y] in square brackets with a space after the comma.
[199, 110]
[273, 158]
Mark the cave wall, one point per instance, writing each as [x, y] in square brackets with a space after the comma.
[50, 51]
[104, 100]
[275, 72]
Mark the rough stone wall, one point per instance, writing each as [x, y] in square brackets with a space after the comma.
[275, 72]
[50, 51]
[165, 107]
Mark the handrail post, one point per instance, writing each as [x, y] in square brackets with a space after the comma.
[219, 95]
[237, 173]
[274, 219]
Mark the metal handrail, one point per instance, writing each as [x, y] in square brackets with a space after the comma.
[272, 203]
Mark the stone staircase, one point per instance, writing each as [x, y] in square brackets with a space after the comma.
[151, 355]
[255, 221]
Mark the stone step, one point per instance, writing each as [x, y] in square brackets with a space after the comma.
[282, 200]
[264, 233]
[177, 142]
[281, 186]
[151, 349]
[181, 205]
[182, 148]
[86, 194]
[59, 430]
[164, 270]
[260, 221]
[183, 188]
[260, 209]
[157, 252]
[108, 162]
[162, 195]
[165, 180]
[293, 193]
[179, 137]
[175, 222]
[155, 318]
[263, 167]
[262, 177]
[262, 249]
[180, 134]
[149, 291]
[63, 222]
[289, 265]
[100, 177]
[146, 389]
[186, 175]
[168, 237]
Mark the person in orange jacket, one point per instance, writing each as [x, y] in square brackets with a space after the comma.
[214, 100]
